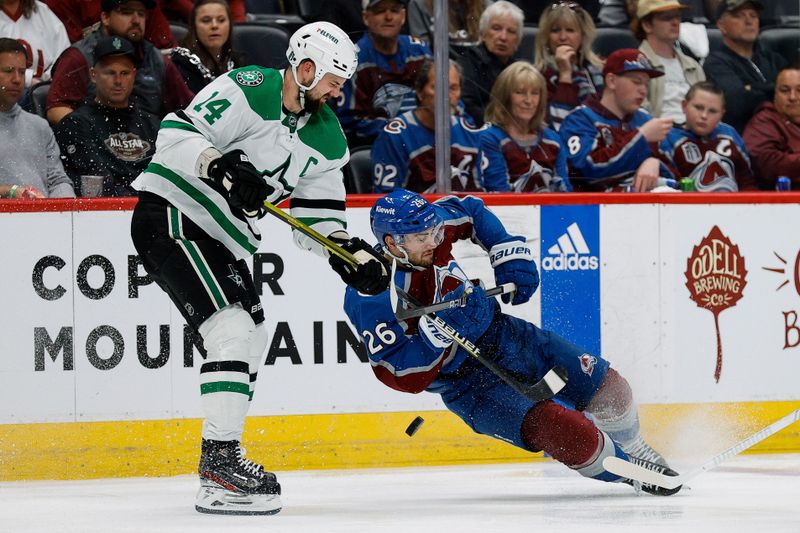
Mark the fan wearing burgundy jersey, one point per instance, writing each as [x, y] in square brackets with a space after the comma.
[705, 149]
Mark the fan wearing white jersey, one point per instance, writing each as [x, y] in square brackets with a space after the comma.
[252, 135]
[39, 30]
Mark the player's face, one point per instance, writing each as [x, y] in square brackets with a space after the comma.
[664, 26]
[502, 36]
[330, 86]
[428, 93]
[630, 90]
[114, 77]
[740, 26]
[703, 112]
[213, 27]
[564, 33]
[128, 20]
[385, 19]
[787, 94]
[12, 78]
[421, 246]
[524, 103]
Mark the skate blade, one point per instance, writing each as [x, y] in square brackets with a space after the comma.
[215, 500]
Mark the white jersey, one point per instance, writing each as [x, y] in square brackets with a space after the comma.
[43, 35]
[243, 109]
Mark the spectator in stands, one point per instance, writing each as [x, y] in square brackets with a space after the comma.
[181, 10]
[41, 33]
[706, 149]
[564, 56]
[388, 63]
[30, 166]
[616, 13]
[520, 153]
[501, 32]
[159, 86]
[745, 71]
[403, 155]
[612, 142]
[658, 26]
[463, 21]
[110, 136]
[206, 52]
[82, 17]
[534, 9]
[773, 134]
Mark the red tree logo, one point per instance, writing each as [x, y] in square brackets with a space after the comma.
[715, 276]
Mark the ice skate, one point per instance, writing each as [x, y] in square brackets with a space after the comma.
[232, 484]
[642, 454]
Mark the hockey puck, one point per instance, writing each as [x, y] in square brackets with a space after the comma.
[413, 427]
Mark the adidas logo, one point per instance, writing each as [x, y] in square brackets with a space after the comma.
[570, 252]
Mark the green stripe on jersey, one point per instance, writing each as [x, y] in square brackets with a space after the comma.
[176, 125]
[308, 221]
[209, 205]
[262, 87]
[225, 386]
[323, 133]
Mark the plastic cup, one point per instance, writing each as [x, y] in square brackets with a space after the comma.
[92, 185]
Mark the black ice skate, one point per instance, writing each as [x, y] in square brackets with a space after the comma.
[642, 454]
[232, 484]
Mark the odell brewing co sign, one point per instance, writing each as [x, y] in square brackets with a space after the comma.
[715, 277]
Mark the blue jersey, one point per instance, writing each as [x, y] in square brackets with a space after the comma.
[403, 155]
[402, 360]
[511, 166]
[716, 162]
[604, 151]
[382, 87]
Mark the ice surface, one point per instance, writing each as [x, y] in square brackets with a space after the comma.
[752, 493]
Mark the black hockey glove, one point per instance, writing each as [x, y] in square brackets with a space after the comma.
[372, 275]
[247, 187]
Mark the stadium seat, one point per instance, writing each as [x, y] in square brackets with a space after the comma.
[358, 172]
[37, 99]
[610, 39]
[695, 11]
[309, 10]
[714, 39]
[527, 43]
[261, 44]
[179, 30]
[785, 41]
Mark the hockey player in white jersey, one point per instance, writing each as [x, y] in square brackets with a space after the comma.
[254, 134]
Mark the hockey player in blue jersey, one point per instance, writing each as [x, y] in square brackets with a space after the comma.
[414, 355]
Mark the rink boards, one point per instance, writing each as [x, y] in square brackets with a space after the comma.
[98, 377]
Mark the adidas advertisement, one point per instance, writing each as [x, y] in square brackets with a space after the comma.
[570, 272]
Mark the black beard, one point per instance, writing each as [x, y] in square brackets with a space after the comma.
[311, 105]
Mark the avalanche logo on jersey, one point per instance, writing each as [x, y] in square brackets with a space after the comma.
[394, 99]
[249, 78]
[542, 177]
[715, 173]
[587, 363]
[448, 278]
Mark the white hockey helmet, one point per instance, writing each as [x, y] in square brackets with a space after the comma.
[327, 46]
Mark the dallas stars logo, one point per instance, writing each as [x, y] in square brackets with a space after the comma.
[235, 277]
[249, 78]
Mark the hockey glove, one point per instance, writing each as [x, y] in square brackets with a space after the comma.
[513, 263]
[473, 318]
[248, 189]
[372, 275]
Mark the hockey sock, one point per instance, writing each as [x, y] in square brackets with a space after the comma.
[256, 353]
[570, 438]
[225, 376]
[614, 410]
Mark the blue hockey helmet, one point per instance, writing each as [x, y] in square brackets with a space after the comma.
[403, 212]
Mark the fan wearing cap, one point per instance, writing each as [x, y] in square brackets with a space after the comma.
[111, 135]
[253, 135]
[744, 70]
[159, 87]
[388, 63]
[611, 141]
[658, 26]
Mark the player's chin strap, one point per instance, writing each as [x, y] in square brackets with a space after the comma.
[404, 260]
[302, 87]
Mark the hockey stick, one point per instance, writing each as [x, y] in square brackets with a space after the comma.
[553, 381]
[403, 313]
[617, 466]
[321, 239]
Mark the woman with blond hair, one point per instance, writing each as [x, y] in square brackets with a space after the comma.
[564, 55]
[520, 153]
